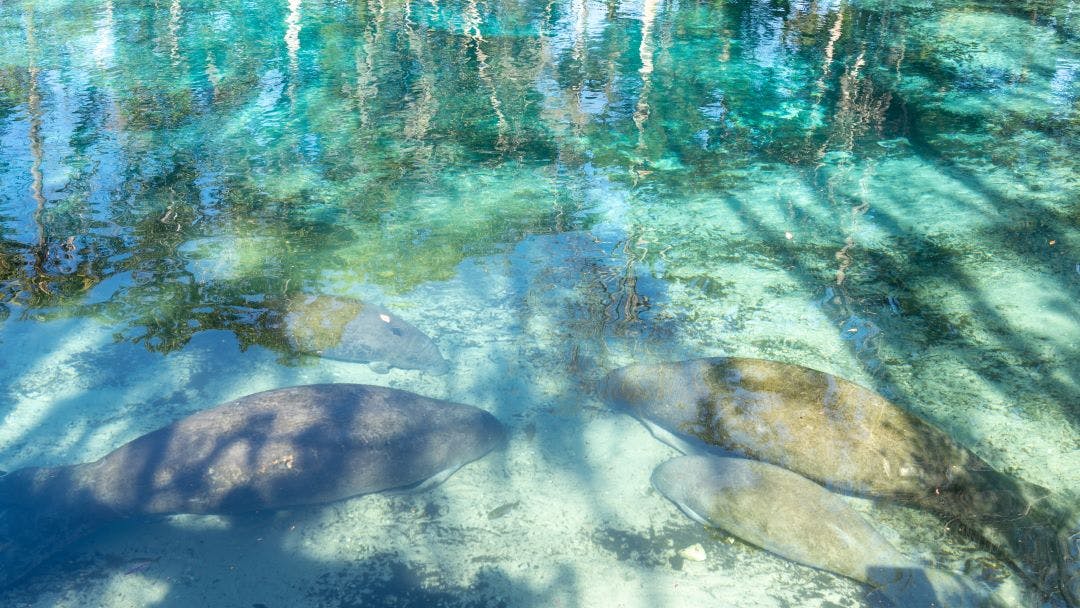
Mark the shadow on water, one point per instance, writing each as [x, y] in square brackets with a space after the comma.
[235, 567]
[1024, 232]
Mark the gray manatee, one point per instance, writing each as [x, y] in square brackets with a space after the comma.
[851, 439]
[280, 448]
[797, 519]
[351, 330]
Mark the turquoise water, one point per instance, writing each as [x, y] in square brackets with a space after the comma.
[884, 190]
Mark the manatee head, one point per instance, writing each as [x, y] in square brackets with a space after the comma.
[362, 332]
[658, 390]
[686, 481]
[466, 433]
[379, 335]
[667, 397]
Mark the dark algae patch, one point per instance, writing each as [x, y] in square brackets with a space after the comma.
[502, 510]
[387, 580]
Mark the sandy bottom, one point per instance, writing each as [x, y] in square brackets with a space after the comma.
[563, 515]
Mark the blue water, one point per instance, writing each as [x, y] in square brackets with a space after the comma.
[887, 190]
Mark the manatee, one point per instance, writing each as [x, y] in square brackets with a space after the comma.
[363, 332]
[795, 518]
[271, 450]
[851, 439]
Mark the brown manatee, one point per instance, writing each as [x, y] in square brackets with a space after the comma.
[795, 518]
[364, 332]
[280, 448]
[851, 439]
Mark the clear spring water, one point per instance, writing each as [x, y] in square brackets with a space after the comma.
[887, 190]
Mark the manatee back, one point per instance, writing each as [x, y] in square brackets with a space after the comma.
[826, 428]
[286, 447]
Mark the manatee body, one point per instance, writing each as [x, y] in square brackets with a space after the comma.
[351, 330]
[797, 519]
[280, 448]
[849, 438]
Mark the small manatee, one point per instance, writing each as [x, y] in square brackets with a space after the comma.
[797, 519]
[280, 448]
[362, 332]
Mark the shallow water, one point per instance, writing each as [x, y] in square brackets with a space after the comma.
[886, 190]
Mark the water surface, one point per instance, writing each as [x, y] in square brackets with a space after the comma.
[886, 190]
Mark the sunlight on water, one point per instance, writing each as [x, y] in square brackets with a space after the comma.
[883, 190]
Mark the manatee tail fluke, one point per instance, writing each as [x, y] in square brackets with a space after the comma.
[32, 528]
[28, 538]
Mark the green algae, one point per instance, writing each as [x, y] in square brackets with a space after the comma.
[316, 324]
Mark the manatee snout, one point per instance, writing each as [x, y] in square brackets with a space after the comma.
[427, 358]
[485, 434]
[686, 482]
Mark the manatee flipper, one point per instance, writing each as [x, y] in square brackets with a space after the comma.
[379, 367]
[795, 518]
[691, 513]
[429, 483]
[685, 444]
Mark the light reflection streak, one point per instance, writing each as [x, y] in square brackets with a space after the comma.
[472, 31]
[37, 178]
[105, 49]
[426, 106]
[367, 83]
[292, 45]
[176, 16]
[292, 34]
[645, 54]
